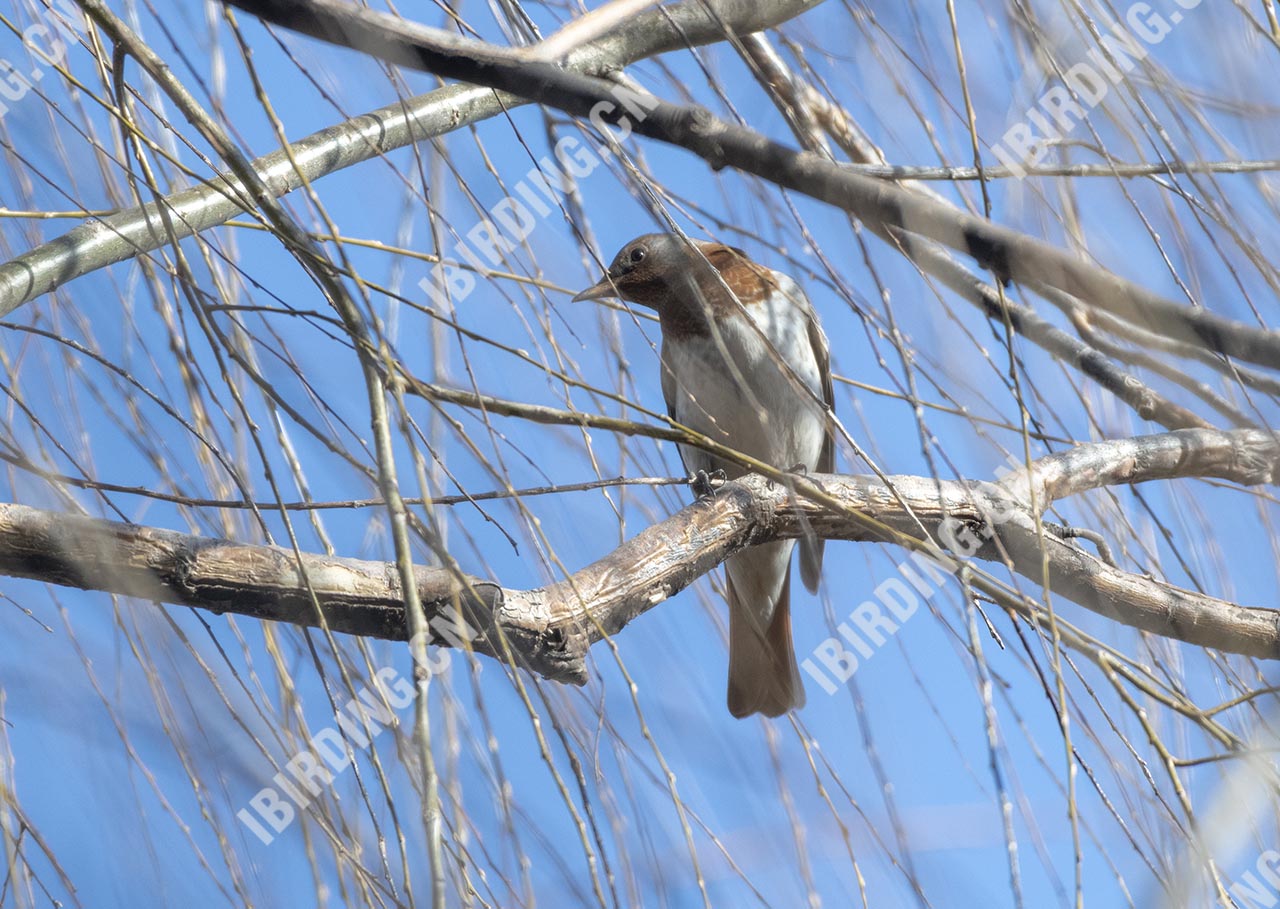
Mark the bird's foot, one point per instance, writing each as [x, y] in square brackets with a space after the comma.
[800, 470]
[704, 484]
[1064, 533]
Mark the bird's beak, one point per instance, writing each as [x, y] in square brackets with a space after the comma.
[602, 288]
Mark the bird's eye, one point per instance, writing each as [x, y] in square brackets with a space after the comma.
[637, 254]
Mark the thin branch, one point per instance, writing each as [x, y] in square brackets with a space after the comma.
[1001, 172]
[795, 96]
[1125, 385]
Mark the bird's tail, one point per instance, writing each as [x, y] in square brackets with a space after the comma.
[763, 675]
[811, 562]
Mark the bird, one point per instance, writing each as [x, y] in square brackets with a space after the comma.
[744, 362]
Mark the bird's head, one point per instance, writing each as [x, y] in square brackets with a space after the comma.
[645, 271]
[689, 283]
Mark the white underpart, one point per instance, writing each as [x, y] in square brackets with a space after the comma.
[733, 387]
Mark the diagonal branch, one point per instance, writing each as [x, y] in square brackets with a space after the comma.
[805, 109]
[886, 208]
[550, 629]
[133, 232]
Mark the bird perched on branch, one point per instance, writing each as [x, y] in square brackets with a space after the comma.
[744, 362]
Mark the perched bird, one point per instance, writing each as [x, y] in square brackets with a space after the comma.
[745, 362]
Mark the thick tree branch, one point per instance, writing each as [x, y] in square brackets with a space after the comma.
[1245, 456]
[550, 629]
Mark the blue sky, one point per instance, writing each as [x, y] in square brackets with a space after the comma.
[136, 732]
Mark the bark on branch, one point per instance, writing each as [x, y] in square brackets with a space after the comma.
[550, 629]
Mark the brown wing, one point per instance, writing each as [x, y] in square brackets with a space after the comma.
[822, 352]
[811, 548]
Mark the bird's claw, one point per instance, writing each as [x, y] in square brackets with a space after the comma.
[704, 484]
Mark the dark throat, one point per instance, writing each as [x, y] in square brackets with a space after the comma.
[691, 302]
